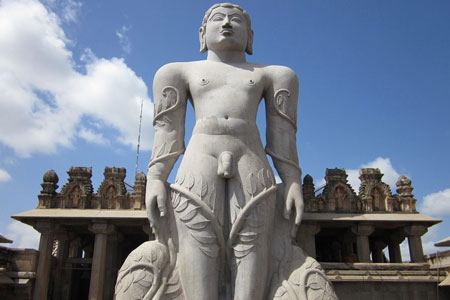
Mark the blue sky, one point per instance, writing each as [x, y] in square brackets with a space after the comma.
[374, 80]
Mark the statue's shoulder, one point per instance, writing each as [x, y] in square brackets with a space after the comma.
[276, 72]
[178, 69]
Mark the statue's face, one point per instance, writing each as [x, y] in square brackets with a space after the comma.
[226, 29]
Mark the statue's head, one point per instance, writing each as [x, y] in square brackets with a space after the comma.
[230, 21]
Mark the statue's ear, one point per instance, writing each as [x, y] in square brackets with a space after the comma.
[201, 36]
[249, 48]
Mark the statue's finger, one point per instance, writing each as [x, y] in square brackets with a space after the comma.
[294, 231]
[161, 206]
[299, 215]
[151, 212]
[287, 208]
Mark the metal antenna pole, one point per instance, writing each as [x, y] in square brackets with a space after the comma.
[139, 139]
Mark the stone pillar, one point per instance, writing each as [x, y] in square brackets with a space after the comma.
[377, 251]
[414, 233]
[362, 241]
[45, 258]
[395, 255]
[111, 265]
[99, 259]
[306, 238]
[62, 255]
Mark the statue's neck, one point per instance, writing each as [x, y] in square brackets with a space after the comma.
[227, 56]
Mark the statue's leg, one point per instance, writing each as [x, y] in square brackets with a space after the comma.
[199, 254]
[253, 191]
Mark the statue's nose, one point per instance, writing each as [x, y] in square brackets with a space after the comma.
[226, 23]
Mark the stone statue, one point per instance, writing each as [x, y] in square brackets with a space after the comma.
[224, 228]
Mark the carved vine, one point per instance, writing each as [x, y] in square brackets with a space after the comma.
[164, 151]
[169, 101]
[189, 200]
[281, 98]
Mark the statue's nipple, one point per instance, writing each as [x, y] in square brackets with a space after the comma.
[225, 168]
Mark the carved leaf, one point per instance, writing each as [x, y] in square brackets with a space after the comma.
[204, 190]
[190, 213]
[233, 214]
[160, 123]
[173, 289]
[261, 178]
[248, 237]
[198, 222]
[268, 182]
[211, 250]
[147, 280]
[251, 184]
[212, 198]
[190, 181]
[175, 199]
[295, 277]
[127, 281]
[204, 237]
[183, 205]
[253, 220]
[180, 178]
[242, 250]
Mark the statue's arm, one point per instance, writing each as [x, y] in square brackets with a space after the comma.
[281, 98]
[170, 97]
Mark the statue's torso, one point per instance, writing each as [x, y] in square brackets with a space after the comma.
[225, 99]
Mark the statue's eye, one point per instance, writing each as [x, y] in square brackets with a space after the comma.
[218, 17]
[236, 20]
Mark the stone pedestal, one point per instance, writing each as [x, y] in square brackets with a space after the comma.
[306, 237]
[99, 259]
[414, 233]
[362, 241]
[44, 264]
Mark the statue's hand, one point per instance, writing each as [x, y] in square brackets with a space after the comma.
[155, 201]
[293, 196]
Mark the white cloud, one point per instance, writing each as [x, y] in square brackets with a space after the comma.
[437, 204]
[384, 164]
[4, 176]
[23, 236]
[123, 38]
[69, 10]
[49, 98]
[91, 136]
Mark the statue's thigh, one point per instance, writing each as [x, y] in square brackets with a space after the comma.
[252, 204]
[198, 205]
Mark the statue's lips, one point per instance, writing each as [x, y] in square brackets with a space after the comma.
[226, 32]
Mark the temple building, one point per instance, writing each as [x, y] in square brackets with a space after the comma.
[86, 235]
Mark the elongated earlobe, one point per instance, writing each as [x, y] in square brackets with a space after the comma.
[249, 48]
[201, 36]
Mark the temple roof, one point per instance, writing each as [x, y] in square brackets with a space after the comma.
[5, 240]
[443, 243]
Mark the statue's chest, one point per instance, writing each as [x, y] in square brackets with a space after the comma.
[226, 83]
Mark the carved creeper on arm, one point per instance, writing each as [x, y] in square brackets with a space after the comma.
[281, 108]
[169, 119]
